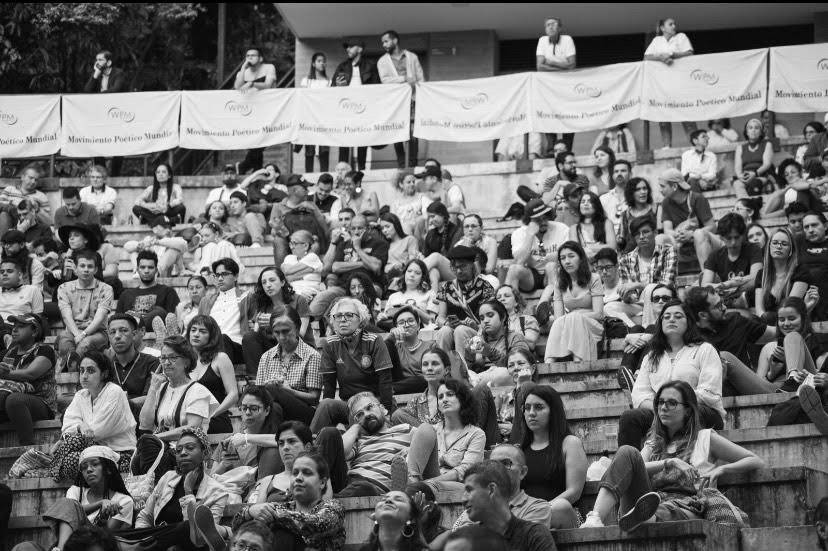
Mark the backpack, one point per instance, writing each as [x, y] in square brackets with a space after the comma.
[303, 219]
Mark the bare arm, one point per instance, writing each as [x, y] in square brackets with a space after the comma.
[575, 460]
[35, 370]
[175, 434]
[228, 378]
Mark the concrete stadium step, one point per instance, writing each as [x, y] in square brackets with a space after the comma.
[779, 538]
[118, 234]
[770, 497]
[694, 535]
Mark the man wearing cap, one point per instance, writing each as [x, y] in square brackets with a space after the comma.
[686, 216]
[553, 188]
[441, 236]
[15, 297]
[244, 228]
[150, 299]
[294, 213]
[31, 269]
[357, 70]
[84, 304]
[26, 188]
[457, 303]
[398, 65]
[535, 248]
[167, 248]
[230, 183]
[75, 212]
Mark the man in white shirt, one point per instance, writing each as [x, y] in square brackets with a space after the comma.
[699, 166]
[534, 248]
[614, 202]
[555, 52]
[229, 306]
[231, 185]
[400, 66]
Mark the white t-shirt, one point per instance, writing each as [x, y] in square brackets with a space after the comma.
[81, 495]
[227, 315]
[676, 45]
[309, 284]
[356, 77]
[614, 207]
[98, 200]
[563, 49]
[197, 401]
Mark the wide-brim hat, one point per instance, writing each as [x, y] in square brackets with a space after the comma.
[92, 234]
[536, 208]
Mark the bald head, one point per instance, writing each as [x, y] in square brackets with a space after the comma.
[514, 460]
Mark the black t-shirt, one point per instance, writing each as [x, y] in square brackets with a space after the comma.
[437, 242]
[720, 264]
[522, 535]
[373, 244]
[323, 204]
[134, 377]
[144, 300]
[813, 270]
[677, 212]
[735, 334]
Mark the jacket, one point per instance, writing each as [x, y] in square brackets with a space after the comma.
[117, 83]
[210, 492]
[367, 72]
[247, 306]
[388, 71]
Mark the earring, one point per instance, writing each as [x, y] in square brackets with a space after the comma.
[375, 529]
[408, 531]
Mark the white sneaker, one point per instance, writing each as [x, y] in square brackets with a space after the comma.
[255, 245]
[592, 520]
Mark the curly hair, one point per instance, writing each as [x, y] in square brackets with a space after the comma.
[468, 403]
[223, 219]
[629, 191]
[369, 293]
[425, 282]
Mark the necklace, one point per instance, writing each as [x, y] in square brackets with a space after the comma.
[753, 148]
[415, 347]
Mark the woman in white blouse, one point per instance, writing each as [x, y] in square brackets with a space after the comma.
[667, 46]
[677, 353]
[317, 78]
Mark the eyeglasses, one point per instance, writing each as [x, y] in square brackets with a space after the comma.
[168, 359]
[668, 404]
[342, 316]
[400, 323]
[297, 243]
[661, 298]
[471, 226]
[244, 546]
[780, 244]
[222, 275]
[251, 409]
[374, 406]
[605, 268]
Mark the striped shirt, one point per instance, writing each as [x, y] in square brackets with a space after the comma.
[372, 455]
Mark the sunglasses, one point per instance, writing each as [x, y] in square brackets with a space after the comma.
[662, 298]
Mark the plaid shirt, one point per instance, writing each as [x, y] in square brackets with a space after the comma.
[300, 369]
[663, 267]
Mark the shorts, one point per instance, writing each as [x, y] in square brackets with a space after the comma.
[538, 280]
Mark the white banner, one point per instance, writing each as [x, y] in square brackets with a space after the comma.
[704, 87]
[473, 110]
[227, 119]
[586, 99]
[798, 78]
[347, 116]
[106, 125]
[29, 126]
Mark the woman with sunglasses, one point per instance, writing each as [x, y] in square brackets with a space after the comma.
[660, 482]
[676, 352]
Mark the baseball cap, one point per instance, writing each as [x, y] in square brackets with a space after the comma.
[673, 176]
[14, 236]
[461, 252]
[28, 319]
[571, 188]
[297, 180]
[431, 171]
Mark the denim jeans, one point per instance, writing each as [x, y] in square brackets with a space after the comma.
[626, 478]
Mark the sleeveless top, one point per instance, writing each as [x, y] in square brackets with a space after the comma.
[751, 160]
[700, 458]
[212, 382]
[542, 481]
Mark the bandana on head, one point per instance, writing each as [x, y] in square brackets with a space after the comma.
[201, 436]
[101, 452]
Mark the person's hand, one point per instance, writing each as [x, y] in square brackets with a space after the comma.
[191, 480]
[87, 432]
[533, 228]
[635, 344]
[157, 380]
[811, 297]
[398, 333]
[263, 512]
[96, 70]
[468, 322]
[236, 440]
[713, 476]
[246, 87]
[79, 336]
[668, 59]
[820, 380]
[778, 354]
[69, 265]
[340, 80]
[109, 509]
[356, 240]
[798, 376]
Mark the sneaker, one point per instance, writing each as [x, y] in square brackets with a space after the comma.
[160, 331]
[592, 520]
[171, 323]
[399, 474]
[255, 245]
[643, 510]
[189, 516]
[811, 403]
[206, 527]
[625, 377]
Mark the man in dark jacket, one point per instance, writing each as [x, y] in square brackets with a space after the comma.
[105, 78]
[355, 71]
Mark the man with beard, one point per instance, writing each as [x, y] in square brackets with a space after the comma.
[133, 369]
[812, 271]
[400, 66]
[614, 202]
[231, 185]
[553, 188]
[254, 75]
[357, 70]
[150, 300]
[323, 196]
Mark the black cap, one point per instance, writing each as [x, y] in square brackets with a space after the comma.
[430, 171]
[461, 252]
[347, 42]
[29, 319]
[297, 180]
[14, 236]
[91, 232]
[438, 208]
[160, 220]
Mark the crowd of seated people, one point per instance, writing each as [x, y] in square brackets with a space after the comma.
[427, 381]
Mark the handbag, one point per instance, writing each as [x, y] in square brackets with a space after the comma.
[32, 460]
[140, 486]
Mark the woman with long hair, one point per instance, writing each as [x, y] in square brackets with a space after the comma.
[273, 292]
[486, 352]
[676, 352]
[754, 162]
[317, 78]
[578, 306]
[98, 497]
[216, 212]
[415, 293]
[667, 46]
[679, 455]
[187, 309]
[355, 197]
[257, 417]
[594, 230]
[809, 131]
[757, 235]
[163, 197]
[639, 198]
[307, 519]
[600, 181]
[519, 321]
[555, 458]
[408, 204]
[213, 370]
[360, 287]
[402, 248]
[774, 280]
[396, 525]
